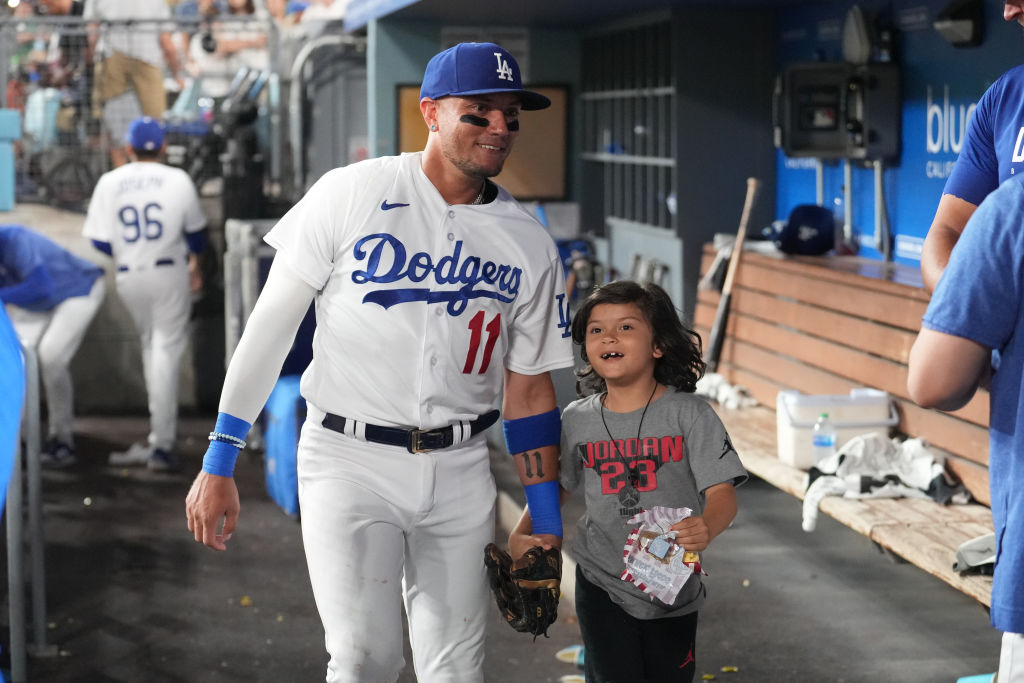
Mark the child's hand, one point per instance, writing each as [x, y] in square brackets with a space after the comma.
[519, 543]
[692, 533]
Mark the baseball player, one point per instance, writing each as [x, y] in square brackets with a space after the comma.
[147, 217]
[51, 297]
[433, 288]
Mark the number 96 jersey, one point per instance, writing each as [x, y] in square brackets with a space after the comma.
[143, 210]
[421, 305]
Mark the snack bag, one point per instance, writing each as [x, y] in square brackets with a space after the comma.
[654, 563]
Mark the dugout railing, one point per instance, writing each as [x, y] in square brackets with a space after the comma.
[27, 479]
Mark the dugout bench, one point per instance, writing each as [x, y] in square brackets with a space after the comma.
[825, 325]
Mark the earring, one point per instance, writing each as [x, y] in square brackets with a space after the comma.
[433, 128]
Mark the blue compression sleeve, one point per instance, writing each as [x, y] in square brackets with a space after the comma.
[535, 431]
[226, 441]
[545, 509]
[104, 247]
[196, 241]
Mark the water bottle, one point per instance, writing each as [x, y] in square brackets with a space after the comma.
[824, 439]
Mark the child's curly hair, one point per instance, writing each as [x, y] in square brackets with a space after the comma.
[681, 363]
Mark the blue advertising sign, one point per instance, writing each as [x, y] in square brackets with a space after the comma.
[941, 85]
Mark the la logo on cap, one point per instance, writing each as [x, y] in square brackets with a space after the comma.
[504, 70]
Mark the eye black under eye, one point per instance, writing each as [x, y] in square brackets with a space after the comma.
[475, 120]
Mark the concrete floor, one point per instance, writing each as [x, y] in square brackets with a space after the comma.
[132, 598]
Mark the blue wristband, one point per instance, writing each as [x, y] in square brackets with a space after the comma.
[545, 509]
[226, 441]
[535, 431]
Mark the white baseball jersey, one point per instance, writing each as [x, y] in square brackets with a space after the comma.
[420, 304]
[143, 210]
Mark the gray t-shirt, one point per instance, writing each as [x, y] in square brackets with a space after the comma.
[683, 449]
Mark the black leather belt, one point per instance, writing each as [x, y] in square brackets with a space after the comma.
[413, 440]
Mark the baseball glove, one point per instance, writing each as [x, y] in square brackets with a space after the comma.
[526, 590]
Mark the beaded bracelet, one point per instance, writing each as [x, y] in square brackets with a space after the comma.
[229, 439]
[225, 444]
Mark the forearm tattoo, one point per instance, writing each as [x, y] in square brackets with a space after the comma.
[539, 465]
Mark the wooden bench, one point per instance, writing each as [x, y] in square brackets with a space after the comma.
[825, 325]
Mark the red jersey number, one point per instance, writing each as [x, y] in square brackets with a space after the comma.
[477, 330]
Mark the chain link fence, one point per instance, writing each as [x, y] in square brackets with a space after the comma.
[220, 82]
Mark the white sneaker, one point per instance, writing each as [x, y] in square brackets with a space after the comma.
[137, 454]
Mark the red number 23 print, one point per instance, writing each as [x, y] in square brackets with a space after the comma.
[613, 475]
[477, 329]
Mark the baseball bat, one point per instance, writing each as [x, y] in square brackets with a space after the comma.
[722, 315]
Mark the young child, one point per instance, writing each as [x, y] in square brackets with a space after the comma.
[639, 440]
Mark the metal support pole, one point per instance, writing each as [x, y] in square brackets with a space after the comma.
[33, 466]
[819, 182]
[15, 558]
[16, 575]
[847, 202]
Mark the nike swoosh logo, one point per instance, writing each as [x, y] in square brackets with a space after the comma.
[384, 206]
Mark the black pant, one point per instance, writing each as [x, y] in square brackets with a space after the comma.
[623, 649]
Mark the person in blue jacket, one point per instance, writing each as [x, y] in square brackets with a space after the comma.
[51, 296]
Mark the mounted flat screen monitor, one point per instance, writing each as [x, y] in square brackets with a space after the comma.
[537, 166]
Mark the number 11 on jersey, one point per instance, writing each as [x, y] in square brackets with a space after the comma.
[477, 329]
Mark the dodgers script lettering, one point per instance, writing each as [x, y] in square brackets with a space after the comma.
[387, 261]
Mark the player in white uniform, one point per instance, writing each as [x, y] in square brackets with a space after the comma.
[433, 287]
[147, 217]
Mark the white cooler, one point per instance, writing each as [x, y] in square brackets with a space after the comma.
[862, 411]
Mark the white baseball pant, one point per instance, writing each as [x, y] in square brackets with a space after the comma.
[378, 523]
[56, 335]
[160, 303]
[1011, 659]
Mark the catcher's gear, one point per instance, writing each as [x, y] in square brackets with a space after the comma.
[526, 590]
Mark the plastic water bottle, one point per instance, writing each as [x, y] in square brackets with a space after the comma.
[824, 439]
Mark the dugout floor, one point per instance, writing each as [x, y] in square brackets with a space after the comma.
[132, 598]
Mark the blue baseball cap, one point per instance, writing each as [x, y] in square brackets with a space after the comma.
[145, 133]
[477, 69]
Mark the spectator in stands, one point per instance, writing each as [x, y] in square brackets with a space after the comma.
[221, 48]
[51, 296]
[206, 61]
[190, 11]
[286, 12]
[245, 43]
[71, 70]
[128, 61]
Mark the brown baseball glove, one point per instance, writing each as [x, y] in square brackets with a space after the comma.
[528, 589]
